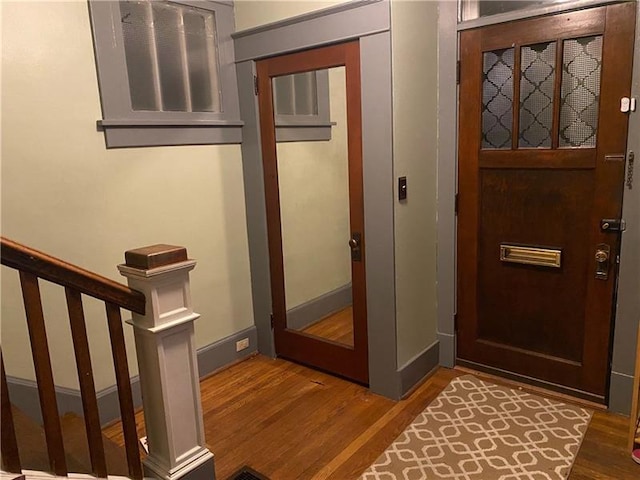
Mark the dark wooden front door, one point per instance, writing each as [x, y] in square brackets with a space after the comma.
[315, 210]
[541, 164]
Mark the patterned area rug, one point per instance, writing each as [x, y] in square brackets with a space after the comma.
[476, 430]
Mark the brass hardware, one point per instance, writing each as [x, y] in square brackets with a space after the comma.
[620, 157]
[356, 250]
[603, 252]
[542, 257]
[601, 256]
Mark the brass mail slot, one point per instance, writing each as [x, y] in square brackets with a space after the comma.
[543, 257]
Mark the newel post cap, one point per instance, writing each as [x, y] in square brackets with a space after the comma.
[154, 256]
[155, 260]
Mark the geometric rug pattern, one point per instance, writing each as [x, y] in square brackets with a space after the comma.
[476, 430]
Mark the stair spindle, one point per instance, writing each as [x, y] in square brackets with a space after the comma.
[87, 386]
[127, 411]
[8, 441]
[44, 374]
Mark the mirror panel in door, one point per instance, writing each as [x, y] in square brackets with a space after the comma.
[313, 181]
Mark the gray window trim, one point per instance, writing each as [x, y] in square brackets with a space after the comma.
[161, 128]
[334, 24]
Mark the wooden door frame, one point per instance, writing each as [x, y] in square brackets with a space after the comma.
[351, 362]
[628, 304]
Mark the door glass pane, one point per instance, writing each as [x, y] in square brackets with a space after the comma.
[537, 76]
[497, 98]
[313, 180]
[580, 95]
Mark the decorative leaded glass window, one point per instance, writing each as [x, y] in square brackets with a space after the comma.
[537, 75]
[541, 122]
[497, 98]
[580, 96]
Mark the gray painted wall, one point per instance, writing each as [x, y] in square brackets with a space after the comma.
[447, 180]
[377, 142]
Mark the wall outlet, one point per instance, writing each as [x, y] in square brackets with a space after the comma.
[242, 344]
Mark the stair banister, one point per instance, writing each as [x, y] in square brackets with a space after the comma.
[168, 369]
[34, 266]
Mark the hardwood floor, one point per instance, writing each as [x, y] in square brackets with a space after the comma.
[337, 327]
[293, 423]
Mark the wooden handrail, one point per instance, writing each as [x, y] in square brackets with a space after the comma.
[49, 268]
[33, 265]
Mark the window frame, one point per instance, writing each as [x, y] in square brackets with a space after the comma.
[125, 127]
[308, 128]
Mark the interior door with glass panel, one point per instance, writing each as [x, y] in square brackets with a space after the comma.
[310, 124]
[541, 164]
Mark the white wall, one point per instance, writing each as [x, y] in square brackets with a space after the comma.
[252, 13]
[414, 27]
[314, 204]
[65, 194]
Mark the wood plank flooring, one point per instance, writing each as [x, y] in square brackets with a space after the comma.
[293, 423]
[337, 327]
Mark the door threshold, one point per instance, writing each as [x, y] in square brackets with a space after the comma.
[532, 385]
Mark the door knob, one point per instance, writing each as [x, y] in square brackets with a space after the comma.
[354, 243]
[602, 256]
[603, 252]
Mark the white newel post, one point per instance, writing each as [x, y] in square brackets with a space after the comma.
[168, 367]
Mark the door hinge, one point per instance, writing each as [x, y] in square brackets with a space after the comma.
[456, 203]
[458, 72]
[271, 320]
[256, 90]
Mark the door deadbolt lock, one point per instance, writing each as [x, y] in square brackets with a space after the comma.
[613, 225]
[602, 256]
